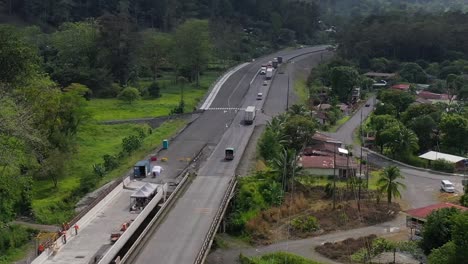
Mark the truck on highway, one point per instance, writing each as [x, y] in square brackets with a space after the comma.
[263, 70]
[280, 59]
[269, 73]
[275, 63]
[249, 115]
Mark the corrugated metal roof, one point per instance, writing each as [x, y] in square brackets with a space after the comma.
[423, 212]
[434, 155]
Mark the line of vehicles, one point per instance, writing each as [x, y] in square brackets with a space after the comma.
[250, 111]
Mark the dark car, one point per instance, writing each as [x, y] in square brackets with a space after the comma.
[367, 105]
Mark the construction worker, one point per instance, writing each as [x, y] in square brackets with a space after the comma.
[157, 171]
[76, 227]
[40, 249]
[64, 236]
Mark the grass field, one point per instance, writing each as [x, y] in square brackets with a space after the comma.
[53, 205]
[114, 109]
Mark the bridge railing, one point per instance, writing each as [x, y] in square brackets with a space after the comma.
[216, 221]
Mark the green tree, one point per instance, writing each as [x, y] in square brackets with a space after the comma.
[388, 182]
[438, 229]
[154, 90]
[75, 58]
[298, 109]
[129, 95]
[423, 127]
[417, 110]
[460, 236]
[443, 255]
[192, 48]
[406, 142]
[286, 167]
[269, 145]
[413, 73]
[155, 51]
[385, 109]
[400, 99]
[298, 130]
[19, 60]
[454, 129]
[117, 44]
[343, 80]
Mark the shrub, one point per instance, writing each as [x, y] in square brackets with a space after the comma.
[178, 109]
[13, 236]
[99, 170]
[88, 182]
[110, 162]
[443, 165]
[305, 224]
[464, 200]
[129, 95]
[131, 143]
[154, 90]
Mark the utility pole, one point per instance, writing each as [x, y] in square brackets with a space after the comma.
[334, 177]
[362, 141]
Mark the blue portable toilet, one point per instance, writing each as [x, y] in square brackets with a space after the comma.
[141, 169]
[165, 144]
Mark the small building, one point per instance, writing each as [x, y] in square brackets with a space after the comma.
[435, 97]
[380, 75]
[324, 165]
[461, 163]
[415, 218]
[355, 95]
[401, 87]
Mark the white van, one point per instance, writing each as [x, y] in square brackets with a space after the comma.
[447, 186]
[259, 96]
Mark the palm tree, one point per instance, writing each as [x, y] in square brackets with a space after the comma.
[286, 167]
[388, 182]
[298, 109]
[408, 141]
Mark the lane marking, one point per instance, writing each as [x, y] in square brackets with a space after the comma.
[209, 100]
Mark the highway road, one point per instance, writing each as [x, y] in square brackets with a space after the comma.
[180, 236]
[422, 186]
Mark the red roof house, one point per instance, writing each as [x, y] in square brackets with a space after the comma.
[401, 87]
[423, 212]
[434, 96]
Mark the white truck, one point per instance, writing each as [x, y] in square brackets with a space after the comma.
[269, 73]
[249, 115]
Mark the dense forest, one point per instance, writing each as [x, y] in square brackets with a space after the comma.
[281, 17]
[406, 36]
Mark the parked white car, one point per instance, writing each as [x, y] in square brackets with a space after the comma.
[447, 186]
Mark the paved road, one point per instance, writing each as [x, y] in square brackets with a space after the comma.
[422, 186]
[305, 247]
[180, 236]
